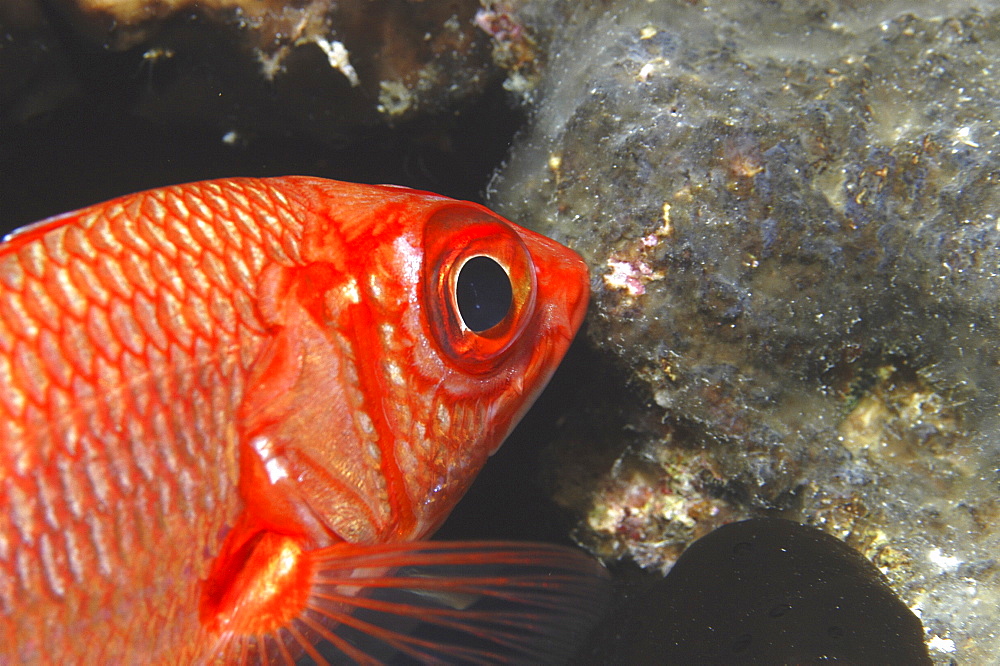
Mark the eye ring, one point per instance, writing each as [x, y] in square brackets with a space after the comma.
[456, 237]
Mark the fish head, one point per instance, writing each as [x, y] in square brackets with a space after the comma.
[422, 329]
[490, 315]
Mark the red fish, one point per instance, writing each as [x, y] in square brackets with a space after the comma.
[230, 409]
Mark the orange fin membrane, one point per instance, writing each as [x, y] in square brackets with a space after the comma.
[438, 602]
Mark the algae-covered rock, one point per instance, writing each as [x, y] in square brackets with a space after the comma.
[790, 213]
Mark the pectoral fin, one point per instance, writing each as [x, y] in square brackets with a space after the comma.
[433, 602]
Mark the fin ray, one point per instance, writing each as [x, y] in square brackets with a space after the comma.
[429, 602]
[528, 601]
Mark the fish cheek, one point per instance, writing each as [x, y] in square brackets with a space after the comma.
[302, 480]
[305, 462]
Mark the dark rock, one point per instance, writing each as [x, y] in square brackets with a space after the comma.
[765, 591]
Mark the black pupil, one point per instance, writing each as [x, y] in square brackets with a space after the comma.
[483, 293]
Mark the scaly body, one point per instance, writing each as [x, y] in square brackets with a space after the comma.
[200, 381]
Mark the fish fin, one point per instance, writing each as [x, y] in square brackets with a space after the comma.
[453, 602]
[259, 584]
[437, 602]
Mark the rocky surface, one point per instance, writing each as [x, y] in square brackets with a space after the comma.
[790, 212]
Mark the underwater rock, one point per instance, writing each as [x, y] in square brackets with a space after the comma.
[790, 214]
[767, 591]
[320, 68]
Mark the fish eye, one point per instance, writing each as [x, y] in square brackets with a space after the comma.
[478, 281]
[483, 293]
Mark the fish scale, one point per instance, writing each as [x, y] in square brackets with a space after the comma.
[213, 394]
[116, 336]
